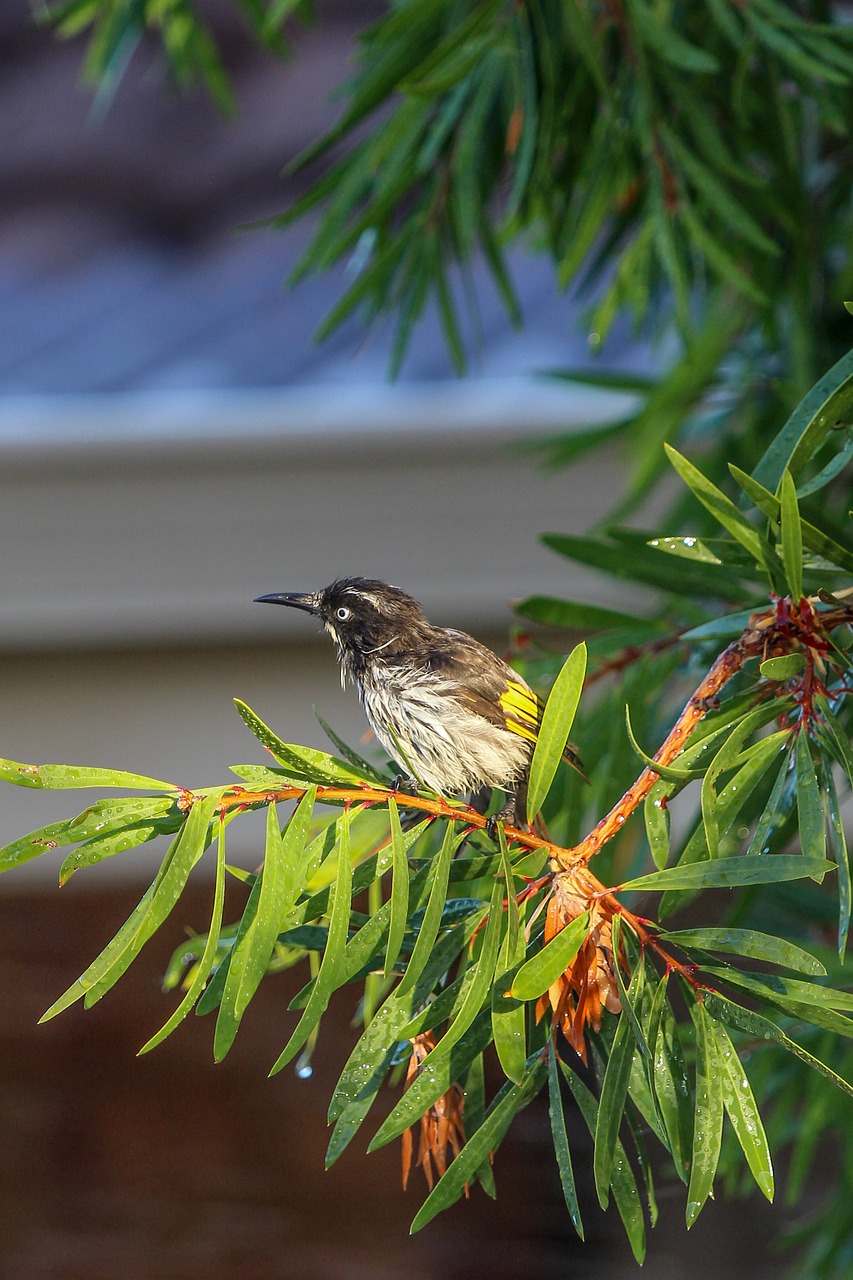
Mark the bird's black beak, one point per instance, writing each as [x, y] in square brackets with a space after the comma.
[295, 599]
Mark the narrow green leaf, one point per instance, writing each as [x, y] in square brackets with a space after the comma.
[57, 777]
[809, 809]
[508, 1013]
[304, 762]
[669, 772]
[364, 766]
[656, 817]
[742, 1111]
[727, 758]
[327, 978]
[838, 851]
[749, 942]
[208, 957]
[774, 811]
[399, 890]
[669, 1079]
[708, 1121]
[553, 734]
[624, 1184]
[99, 820]
[154, 906]
[506, 1104]
[611, 1107]
[755, 1024]
[792, 538]
[432, 1081]
[540, 971]
[813, 538]
[579, 616]
[728, 872]
[561, 1143]
[721, 507]
[781, 989]
[366, 1066]
[266, 925]
[431, 923]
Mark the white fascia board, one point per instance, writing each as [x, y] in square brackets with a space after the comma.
[154, 519]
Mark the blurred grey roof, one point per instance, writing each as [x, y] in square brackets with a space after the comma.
[120, 267]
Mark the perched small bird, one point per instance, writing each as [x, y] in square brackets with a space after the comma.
[453, 714]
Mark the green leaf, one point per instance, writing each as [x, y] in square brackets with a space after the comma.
[838, 851]
[561, 1143]
[669, 772]
[728, 757]
[829, 401]
[726, 873]
[303, 762]
[508, 1013]
[279, 890]
[368, 1062]
[624, 1184]
[431, 923]
[99, 820]
[57, 777]
[648, 565]
[812, 537]
[740, 1105]
[154, 906]
[611, 1107]
[809, 809]
[540, 971]
[511, 1099]
[554, 730]
[579, 616]
[399, 890]
[208, 957]
[755, 1024]
[708, 1121]
[662, 38]
[669, 1078]
[656, 817]
[432, 1081]
[792, 538]
[364, 766]
[721, 507]
[784, 667]
[749, 942]
[327, 978]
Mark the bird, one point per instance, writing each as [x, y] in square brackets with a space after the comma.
[454, 715]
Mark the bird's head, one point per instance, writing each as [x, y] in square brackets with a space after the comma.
[367, 619]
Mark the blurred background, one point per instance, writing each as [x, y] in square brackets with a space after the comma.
[172, 444]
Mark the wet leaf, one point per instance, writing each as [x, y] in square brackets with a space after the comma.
[708, 1119]
[611, 1107]
[809, 809]
[57, 777]
[304, 762]
[742, 1111]
[727, 873]
[540, 971]
[208, 956]
[328, 976]
[792, 538]
[555, 727]
[399, 890]
[748, 942]
[561, 1143]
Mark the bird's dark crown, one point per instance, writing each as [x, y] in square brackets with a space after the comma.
[365, 617]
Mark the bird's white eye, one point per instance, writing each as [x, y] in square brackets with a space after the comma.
[342, 613]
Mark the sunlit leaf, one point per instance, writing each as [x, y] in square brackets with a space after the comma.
[540, 971]
[554, 729]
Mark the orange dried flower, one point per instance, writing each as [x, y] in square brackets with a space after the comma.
[441, 1129]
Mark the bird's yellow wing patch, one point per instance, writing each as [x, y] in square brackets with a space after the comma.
[522, 709]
